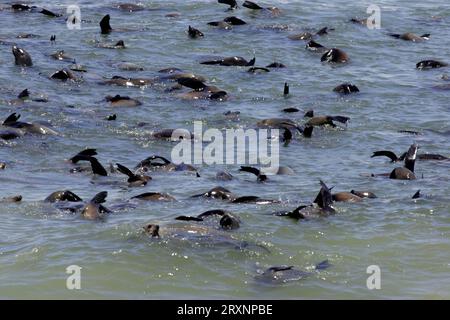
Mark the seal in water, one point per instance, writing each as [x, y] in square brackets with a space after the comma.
[346, 88]
[260, 176]
[12, 199]
[255, 6]
[154, 163]
[129, 82]
[88, 155]
[130, 7]
[283, 123]
[335, 55]
[32, 128]
[65, 195]
[122, 101]
[315, 47]
[228, 220]
[346, 197]
[154, 196]
[423, 156]
[411, 36]
[118, 45]
[231, 3]
[94, 210]
[284, 274]
[227, 23]
[62, 56]
[430, 64]
[231, 61]
[63, 75]
[194, 33]
[364, 194]
[276, 65]
[323, 200]
[22, 58]
[406, 172]
[324, 120]
[134, 180]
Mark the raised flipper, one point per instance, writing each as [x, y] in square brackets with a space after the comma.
[340, 119]
[24, 94]
[104, 25]
[100, 197]
[251, 62]
[416, 195]
[255, 171]
[391, 155]
[96, 166]
[323, 265]
[410, 158]
[125, 170]
[252, 5]
[11, 119]
[83, 154]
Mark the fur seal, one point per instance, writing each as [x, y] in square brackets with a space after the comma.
[323, 200]
[228, 221]
[22, 58]
[315, 47]
[130, 7]
[63, 75]
[88, 155]
[194, 33]
[430, 64]
[154, 196]
[283, 123]
[122, 101]
[62, 56]
[334, 55]
[232, 3]
[118, 45]
[2, 166]
[394, 158]
[160, 163]
[276, 65]
[260, 176]
[94, 210]
[12, 199]
[32, 128]
[255, 6]
[224, 176]
[134, 180]
[283, 274]
[227, 22]
[65, 195]
[406, 172]
[346, 197]
[364, 194]
[411, 36]
[231, 61]
[324, 120]
[346, 88]
[129, 82]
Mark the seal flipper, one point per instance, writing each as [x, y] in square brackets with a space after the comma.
[410, 158]
[11, 119]
[24, 94]
[307, 131]
[252, 5]
[391, 155]
[82, 155]
[100, 197]
[188, 218]
[104, 25]
[255, 171]
[416, 195]
[340, 119]
[324, 199]
[125, 170]
[323, 265]
[426, 36]
[251, 62]
[97, 168]
[395, 35]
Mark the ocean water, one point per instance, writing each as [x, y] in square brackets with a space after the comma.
[408, 239]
